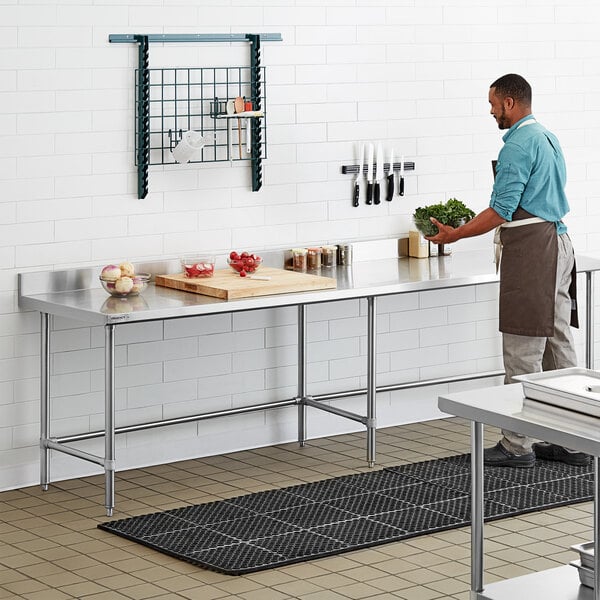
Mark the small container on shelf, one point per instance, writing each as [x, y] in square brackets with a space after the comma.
[313, 259]
[288, 259]
[344, 255]
[328, 256]
[299, 258]
[418, 246]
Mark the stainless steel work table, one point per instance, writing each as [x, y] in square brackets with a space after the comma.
[504, 407]
[76, 294]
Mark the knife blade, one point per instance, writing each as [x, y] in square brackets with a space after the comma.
[359, 176]
[370, 150]
[378, 175]
[390, 178]
[401, 186]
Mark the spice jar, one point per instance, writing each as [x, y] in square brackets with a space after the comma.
[344, 255]
[313, 261]
[328, 256]
[299, 259]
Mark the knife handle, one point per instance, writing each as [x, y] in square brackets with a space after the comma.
[369, 193]
[356, 196]
[376, 193]
[390, 187]
[401, 189]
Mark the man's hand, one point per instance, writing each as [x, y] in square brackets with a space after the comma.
[482, 223]
[444, 235]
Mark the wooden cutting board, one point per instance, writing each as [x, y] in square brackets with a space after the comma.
[229, 285]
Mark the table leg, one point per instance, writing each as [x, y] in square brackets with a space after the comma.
[477, 514]
[109, 418]
[589, 320]
[44, 401]
[371, 377]
[596, 530]
[301, 374]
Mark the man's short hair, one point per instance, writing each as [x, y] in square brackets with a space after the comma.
[513, 86]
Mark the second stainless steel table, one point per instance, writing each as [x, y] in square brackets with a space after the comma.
[504, 407]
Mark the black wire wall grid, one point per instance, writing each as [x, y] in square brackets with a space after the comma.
[171, 101]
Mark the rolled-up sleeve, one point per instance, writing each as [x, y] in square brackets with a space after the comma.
[513, 170]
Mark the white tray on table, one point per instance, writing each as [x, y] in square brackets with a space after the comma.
[574, 388]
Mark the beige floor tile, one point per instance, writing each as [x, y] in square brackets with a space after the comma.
[322, 595]
[331, 580]
[449, 586]
[110, 595]
[298, 588]
[422, 576]
[47, 594]
[419, 593]
[451, 569]
[205, 592]
[271, 577]
[10, 576]
[82, 590]
[119, 581]
[25, 586]
[265, 594]
[358, 590]
[365, 573]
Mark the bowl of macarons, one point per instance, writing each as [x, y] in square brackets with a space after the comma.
[122, 281]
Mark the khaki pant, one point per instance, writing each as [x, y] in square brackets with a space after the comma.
[525, 354]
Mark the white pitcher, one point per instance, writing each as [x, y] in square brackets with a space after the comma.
[190, 143]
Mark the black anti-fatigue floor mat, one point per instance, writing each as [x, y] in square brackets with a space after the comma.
[279, 527]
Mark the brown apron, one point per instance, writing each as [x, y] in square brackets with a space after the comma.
[528, 279]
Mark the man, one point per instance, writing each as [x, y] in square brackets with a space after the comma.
[537, 275]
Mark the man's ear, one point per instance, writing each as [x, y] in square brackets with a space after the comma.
[509, 103]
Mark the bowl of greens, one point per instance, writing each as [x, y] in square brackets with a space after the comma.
[453, 213]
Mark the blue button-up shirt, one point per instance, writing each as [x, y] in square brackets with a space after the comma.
[531, 173]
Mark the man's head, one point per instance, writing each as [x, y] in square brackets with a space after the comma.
[510, 100]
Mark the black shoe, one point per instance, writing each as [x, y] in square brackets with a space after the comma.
[499, 456]
[553, 452]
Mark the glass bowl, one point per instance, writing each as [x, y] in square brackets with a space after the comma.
[126, 286]
[426, 227]
[249, 264]
[195, 266]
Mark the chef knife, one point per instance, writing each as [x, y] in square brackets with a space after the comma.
[390, 178]
[378, 175]
[359, 176]
[401, 188]
[370, 174]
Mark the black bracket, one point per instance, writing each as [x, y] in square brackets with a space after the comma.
[349, 169]
[255, 86]
[143, 115]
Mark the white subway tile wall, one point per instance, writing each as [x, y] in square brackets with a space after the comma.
[413, 75]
